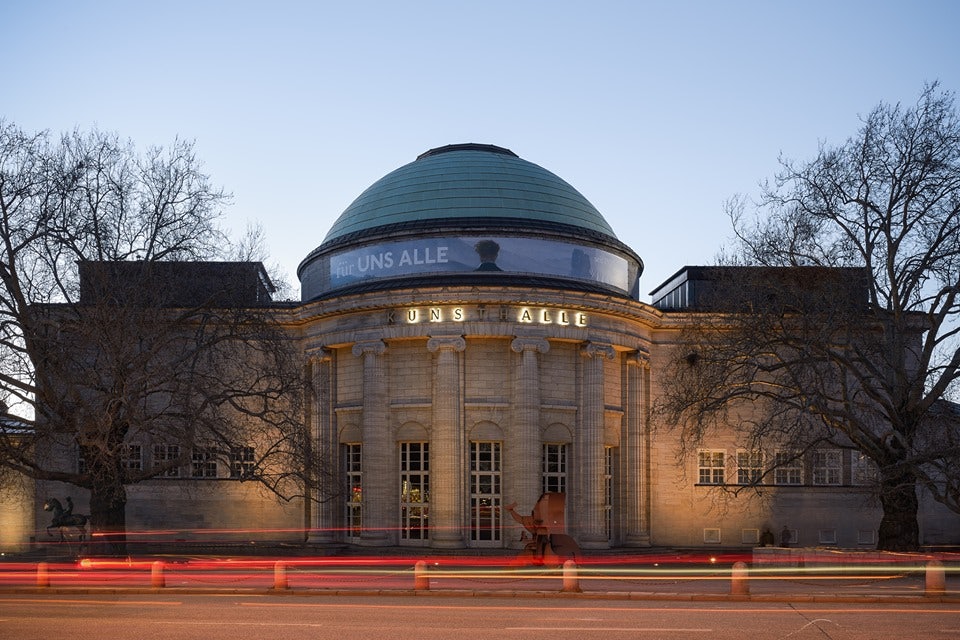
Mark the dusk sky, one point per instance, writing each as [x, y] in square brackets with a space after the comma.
[658, 112]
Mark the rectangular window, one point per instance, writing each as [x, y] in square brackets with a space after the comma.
[554, 468]
[789, 468]
[711, 466]
[864, 470]
[828, 467]
[750, 536]
[242, 462]
[485, 493]
[414, 491]
[608, 459]
[749, 467]
[164, 454]
[133, 457]
[353, 481]
[203, 463]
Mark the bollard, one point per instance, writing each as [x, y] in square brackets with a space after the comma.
[157, 581]
[280, 575]
[43, 575]
[739, 580]
[421, 582]
[936, 581]
[571, 583]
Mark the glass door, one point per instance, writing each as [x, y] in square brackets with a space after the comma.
[485, 496]
[414, 492]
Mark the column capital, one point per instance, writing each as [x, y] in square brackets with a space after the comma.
[639, 358]
[439, 343]
[317, 355]
[598, 350]
[374, 347]
[521, 344]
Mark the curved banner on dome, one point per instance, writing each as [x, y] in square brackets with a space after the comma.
[467, 254]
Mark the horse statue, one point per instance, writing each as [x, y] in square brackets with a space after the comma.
[65, 518]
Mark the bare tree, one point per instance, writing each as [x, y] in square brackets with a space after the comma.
[112, 332]
[865, 358]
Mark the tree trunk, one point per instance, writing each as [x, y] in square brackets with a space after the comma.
[899, 530]
[108, 520]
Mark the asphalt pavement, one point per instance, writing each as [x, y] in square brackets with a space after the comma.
[656, 577]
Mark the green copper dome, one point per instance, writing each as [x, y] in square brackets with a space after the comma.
[470, 214]
[469, 181]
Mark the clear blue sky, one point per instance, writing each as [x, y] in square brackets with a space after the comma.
[657, 112]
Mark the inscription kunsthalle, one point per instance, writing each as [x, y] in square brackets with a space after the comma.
[524, 315]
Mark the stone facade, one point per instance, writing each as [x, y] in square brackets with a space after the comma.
[526, 386]
[438, 396]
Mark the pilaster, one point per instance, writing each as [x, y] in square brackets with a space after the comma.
[446, 444]
[324, 450]
[378, 469]
[633, 451]
[522, 454]
[590, 446]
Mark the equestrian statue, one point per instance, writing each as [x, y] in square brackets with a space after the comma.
[65, 518]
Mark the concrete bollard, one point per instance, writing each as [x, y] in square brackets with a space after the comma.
[421, 581]
[157, 580]
[43, 574]
[571, 583]
[936, 584]
[280, 576]
[739, 580]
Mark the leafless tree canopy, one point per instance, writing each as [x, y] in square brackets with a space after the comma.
[817, 363]
[133, 353]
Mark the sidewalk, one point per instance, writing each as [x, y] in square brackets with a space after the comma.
[406, 574]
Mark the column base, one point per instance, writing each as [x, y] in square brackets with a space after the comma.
[637, 540]
[378, 540]
[322, 538]
[594, 543]
[447, 543]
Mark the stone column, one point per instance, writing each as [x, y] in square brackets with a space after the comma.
[522, 454]
[324, 447]
[379, 474]
[446, 444]
[590, 446]
[633, 453]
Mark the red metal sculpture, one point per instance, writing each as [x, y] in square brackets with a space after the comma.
[547, 540]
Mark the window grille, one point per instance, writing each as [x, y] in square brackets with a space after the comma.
[353, 481]
[133, 457]
[203, 463]
[554, 468]
[485, 493]
[711, 464]
[789, 469]
[242, 462]
[827, 467]
[164, 454]
[749, 467]
[414, 491]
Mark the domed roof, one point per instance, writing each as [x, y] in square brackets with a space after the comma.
[469, 181]
[470, 214]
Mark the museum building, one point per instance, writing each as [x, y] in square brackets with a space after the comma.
[474, 337]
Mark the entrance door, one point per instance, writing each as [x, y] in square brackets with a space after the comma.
[414, 492]
[353, 480]
[485, 496]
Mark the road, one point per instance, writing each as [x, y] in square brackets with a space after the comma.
[293, 617]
